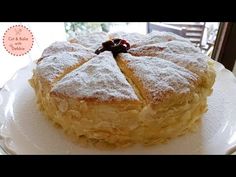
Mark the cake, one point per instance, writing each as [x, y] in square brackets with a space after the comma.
[153, 92]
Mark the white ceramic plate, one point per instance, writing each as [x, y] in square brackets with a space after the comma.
[24, 130]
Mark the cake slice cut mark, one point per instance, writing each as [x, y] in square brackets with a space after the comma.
[130, 79]
[185, 56]
[55, 67]
[156, 79]
[98, 80]
[59, 59]
[68, 70]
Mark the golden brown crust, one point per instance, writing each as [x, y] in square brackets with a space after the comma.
[149, 83]
[109, 102]
[98, 80]
[97, 100]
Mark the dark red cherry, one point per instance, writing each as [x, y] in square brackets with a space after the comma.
[107, 45]
[116, 46]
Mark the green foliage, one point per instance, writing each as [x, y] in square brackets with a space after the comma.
[86, 26]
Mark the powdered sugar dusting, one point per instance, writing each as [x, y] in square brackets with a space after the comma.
[194, 62]
[163, 62]
[129, 37]
[64, 46]
[60, 56]
[176, 47]
[158, 36]
[100, 78]
[159, 77]
[91, 40]
[181, 53]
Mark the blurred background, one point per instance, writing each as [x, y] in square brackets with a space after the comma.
[202, 34]
[215, 39]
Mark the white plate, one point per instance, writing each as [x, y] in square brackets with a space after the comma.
[24, 130]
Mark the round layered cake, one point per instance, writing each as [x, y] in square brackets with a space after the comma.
[155, 91]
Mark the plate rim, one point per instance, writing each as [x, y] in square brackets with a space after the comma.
[4, 93]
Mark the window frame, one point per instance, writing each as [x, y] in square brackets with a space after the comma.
[225, 46]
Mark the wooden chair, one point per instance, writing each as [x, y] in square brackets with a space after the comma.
[191, 30]
[164, 27]
[194, 31]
